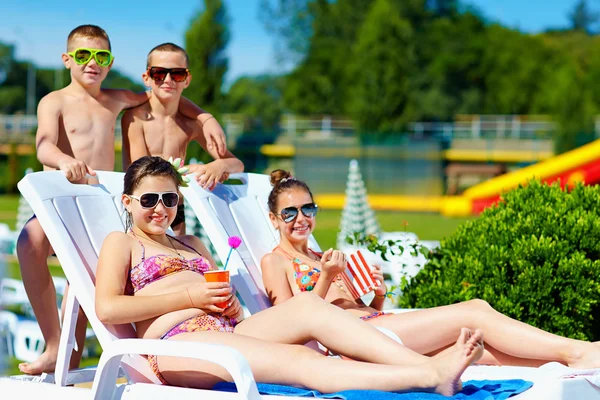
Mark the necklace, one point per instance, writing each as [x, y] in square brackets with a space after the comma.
[172, 248]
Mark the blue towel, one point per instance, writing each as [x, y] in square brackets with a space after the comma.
[472, 390]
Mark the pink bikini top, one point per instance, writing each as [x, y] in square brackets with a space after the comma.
[162, 265]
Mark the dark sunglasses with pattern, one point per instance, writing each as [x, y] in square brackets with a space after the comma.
[289, 214]
[159, 74]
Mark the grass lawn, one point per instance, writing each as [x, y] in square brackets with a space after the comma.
[427, 226]
[9, 204]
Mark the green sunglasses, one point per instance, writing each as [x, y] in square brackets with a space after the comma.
[83, 56]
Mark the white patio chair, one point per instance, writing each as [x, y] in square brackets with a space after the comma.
[28, 342]
[76, 219]
[12, 292]
[8, 327]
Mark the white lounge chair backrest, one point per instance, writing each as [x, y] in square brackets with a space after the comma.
[85, 214]
[222, 212]
[77, 219]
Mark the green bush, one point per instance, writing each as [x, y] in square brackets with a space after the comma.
[534, 257]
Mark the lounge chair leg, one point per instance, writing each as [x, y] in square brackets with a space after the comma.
[67, 340]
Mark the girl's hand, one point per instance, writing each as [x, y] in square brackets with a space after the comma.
[205, 295]
[234, 310]
[377, 276]
[333, 262]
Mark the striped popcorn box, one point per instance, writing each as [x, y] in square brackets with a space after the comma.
[357, 275]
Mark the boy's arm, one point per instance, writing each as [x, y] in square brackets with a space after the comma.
[213, 133]
[129, 99]
[134, 143]
[46, 140]
[208, 175]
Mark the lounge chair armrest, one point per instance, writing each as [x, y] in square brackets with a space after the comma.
[232, 360]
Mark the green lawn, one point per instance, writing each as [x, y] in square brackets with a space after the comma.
[9, 204]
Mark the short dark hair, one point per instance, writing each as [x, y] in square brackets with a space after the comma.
[87, 31]
[167, 47]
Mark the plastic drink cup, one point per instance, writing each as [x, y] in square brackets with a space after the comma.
[218, 276]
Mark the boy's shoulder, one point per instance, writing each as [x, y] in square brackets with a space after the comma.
[54, 99]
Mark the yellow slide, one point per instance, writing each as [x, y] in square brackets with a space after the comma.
[581, 164]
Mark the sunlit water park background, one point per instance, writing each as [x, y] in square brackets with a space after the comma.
[443, 105]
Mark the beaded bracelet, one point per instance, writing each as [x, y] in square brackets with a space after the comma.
[380, 296]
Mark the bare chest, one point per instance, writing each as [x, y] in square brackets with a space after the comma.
[88, 119]
[168, 138]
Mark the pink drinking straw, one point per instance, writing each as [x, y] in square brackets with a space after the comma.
[234, 242]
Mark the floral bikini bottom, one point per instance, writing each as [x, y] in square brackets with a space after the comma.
[200, 323]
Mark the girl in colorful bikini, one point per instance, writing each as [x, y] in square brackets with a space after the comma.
[152, 279]
[293, 269]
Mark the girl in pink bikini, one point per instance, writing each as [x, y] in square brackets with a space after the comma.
[152, 279]
[293, 269]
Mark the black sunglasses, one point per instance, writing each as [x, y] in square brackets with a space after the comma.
[151, 199]
[160, 73]
[289, 214]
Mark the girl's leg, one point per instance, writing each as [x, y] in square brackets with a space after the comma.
[426, 331]
[298, 365]
[307, 317]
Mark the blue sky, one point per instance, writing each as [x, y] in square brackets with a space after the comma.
[39, 28]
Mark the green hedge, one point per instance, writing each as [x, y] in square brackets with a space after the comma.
[534, 257]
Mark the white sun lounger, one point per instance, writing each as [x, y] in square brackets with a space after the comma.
[241, 210]
[76, 219]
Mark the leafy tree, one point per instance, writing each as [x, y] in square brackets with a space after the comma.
[448, 77]
[6, 60]
[443, 8]
[583, 18]
[116, 80]
[512, 71]
[205, 42]
[259, 99]
[290, 22]
[383, 64]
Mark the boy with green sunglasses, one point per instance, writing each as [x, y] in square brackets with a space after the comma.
[76, 134]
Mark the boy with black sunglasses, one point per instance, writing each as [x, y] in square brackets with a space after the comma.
[157, 128]
[76, 135]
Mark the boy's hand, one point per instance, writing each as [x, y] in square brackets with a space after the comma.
[75, 170]
[214, 136]
[208, 175]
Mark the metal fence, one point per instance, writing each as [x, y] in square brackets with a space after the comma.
[409, 167]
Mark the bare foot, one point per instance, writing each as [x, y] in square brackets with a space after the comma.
[464, 335]
[45, 363]
[451, 367]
